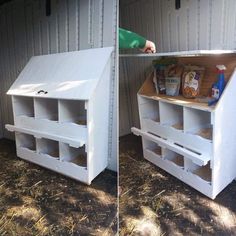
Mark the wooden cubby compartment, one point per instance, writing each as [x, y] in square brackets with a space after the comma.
[48, 147]
[46, 108]
[171, 115]
[149, 109]
[152, 147]
[77, 156]
[198, 122]
[72, 111]
[204, 172]
[23, 106]
[173, 157]
[25, 141]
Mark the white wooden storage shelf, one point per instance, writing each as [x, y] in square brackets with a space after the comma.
[61, 111]
[188, 139]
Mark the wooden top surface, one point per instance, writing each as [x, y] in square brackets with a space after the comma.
[179, 100]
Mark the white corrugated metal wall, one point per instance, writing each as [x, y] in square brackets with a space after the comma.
[198, 24]
[25, 30]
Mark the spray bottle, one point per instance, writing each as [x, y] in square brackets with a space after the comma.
[218, 87]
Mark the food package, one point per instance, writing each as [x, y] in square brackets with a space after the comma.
[173, 79]
[191, 81]
[160, 66]
[159, 79]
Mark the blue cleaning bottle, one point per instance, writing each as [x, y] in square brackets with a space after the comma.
[218, 87]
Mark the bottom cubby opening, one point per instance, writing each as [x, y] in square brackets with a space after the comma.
[204, 172]
[173, 157]
[26, 141]
[77, 156]
[49, 147]
[153, 147]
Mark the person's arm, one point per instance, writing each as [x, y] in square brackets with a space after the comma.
[128, 39]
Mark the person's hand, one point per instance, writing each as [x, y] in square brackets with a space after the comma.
[149, 47]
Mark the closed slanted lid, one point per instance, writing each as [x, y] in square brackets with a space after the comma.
[70, 75]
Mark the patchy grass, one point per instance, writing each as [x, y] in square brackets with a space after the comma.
[154, 203]
[36, 201]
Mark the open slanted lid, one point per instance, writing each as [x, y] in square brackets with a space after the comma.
[70, 75]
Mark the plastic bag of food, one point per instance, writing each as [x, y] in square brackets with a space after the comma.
[160, 66]
[159, 79]
[173, 79]
[191, 81]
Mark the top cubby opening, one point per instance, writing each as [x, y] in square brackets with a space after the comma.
[72, 111]
[149, 109]
[171, 115]
[46, 108]
[23, 106]
[198, 122]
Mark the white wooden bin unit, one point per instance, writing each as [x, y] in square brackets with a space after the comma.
[190, 140]
[61, 112]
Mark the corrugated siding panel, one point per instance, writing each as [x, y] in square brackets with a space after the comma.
[25, 30]
[198, 24]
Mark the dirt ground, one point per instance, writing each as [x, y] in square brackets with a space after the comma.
[36, 201]
[152, 202]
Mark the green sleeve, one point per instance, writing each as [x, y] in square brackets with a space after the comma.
[128, 39]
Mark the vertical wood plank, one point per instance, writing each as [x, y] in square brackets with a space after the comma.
[84, 24]
[63, 25]
[72, 24]
[217, 24]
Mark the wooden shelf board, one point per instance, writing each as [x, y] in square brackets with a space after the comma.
[179, 100]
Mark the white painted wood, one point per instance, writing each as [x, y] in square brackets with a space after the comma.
[195, 120]
[63, 75]
[26, 31]
[170, 114]
[190, 53]
[72, 111]
[98, 126]
[68, 129]
[224, 137]
[67, 168]
[185, 176]
[45, 108]
[206, 163]
[187, 139]
[48, 147]
[196, 158]
[38, 134]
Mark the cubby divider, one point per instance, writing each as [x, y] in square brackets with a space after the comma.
[46, 108]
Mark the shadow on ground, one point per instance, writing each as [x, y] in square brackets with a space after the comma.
[152, 202]
[36, 201]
